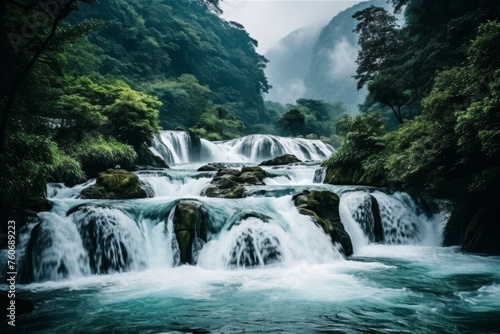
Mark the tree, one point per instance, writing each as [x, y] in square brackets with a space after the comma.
[379, 38]
[388, 89]
[344, 124]
[48, 15]
[133, 117]
[294, 121]
[380, 41]
[219, 123]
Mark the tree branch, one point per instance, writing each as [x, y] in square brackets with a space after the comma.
[18, 81]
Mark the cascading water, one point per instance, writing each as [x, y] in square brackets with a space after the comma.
[173, 146]
[54, 251]
[177, 147]
[258, 259]
[111, 239]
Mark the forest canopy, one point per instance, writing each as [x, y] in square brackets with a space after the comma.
[88, 85]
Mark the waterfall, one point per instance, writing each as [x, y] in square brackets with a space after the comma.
[54, 251]
[173, 146]
[263, 230]
[175, 183]
[278, 235]
[393, 219]
[176, 147]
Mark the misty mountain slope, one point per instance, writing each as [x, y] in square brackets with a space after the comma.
[289, 62]
[329, 58]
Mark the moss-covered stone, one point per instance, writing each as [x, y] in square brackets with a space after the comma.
[230, 183]
[115, 184]
[354, 175]
[190, 222]
[323, 208]
[284, 159]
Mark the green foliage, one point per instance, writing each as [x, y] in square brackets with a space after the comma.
[344, 124]
[153, 45]
[96, 154]
[451, 150]
[358, 160]
[435, 37]
[294, 121]
[184, 98]
[378, 38]
[364, 139]
[134, 117]
[65, 168]
[107, 106]
[219, 123]
[319, 116]
[26, 167]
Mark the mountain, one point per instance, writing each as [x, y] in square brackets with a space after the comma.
[181, 52]
[318, 64]
[289, 64]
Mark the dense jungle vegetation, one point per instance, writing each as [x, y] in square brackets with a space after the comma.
[86, 86]
[439, 77]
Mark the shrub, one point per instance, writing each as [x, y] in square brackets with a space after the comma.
[95, 154]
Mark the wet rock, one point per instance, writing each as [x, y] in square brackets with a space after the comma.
[323, 208]
[138, 168]
[255, 248]
[230, 183]
[37, 204]
[212, 167]
[351, 174]
[284, 159]
[252, 175]
[190, 227]
[482, 230]
[115, 184]
[378, 229]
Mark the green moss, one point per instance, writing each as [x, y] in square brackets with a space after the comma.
[115, 184]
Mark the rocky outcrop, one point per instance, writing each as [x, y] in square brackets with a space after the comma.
[230, 183]
[323, 208]
[378, 229]
[212, 167]
[38, 204]
[138, 168]
[284, 159]
[474, 225]
[354, 175]
[115, 184]
[190, 227]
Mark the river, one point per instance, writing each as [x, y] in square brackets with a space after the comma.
[128, 277]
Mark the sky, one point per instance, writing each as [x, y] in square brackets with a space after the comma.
[268, 21]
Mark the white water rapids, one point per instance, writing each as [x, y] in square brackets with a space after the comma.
[106, 265]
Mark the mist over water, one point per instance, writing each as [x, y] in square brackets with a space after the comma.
[114, 265]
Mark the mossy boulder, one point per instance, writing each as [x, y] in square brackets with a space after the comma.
[115, 184]
[230, 183]
[323, 207]
[354, 174]
[284, 159]
[190, 227]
